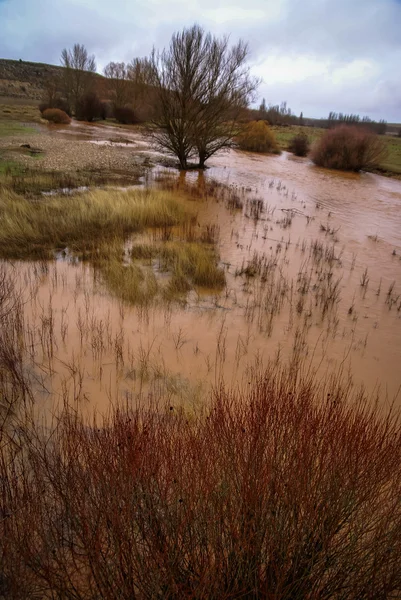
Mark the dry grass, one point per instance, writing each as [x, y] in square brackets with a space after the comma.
[36, 229]
[22, 113]
[95, 226]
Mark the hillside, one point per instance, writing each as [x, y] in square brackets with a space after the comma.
[27, 80]
[20, 79]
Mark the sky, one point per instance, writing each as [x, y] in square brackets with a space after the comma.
[317, 55]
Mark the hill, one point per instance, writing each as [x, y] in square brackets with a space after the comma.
[27, 80]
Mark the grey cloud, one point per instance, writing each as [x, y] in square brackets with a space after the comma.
[333, 33]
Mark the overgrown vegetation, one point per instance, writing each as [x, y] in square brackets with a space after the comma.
[348, 148]
[286, 489]
[257, 137]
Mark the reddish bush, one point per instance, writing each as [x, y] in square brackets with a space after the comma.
[55, 115]
[89, 107]
[348, 148]
[126, 115]
[288, 490]
[57, 102]
[299, 145]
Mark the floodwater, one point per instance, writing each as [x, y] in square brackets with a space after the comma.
[312, 262]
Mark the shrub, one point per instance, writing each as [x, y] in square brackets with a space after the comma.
[57, 102]
[89, 107]
[126, 115]
[55, 115]
[288, 490]
[299, 145]
[257, 137]
[106, 110]
[348, 148]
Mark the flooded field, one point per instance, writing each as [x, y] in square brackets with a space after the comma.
[312, 263]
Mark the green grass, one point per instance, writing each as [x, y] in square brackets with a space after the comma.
[9, 169]
[285, 134]
[392, 161]
[8, 128]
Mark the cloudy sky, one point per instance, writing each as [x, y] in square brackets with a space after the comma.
[318, 55]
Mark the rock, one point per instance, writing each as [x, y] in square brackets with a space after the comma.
[25, 146]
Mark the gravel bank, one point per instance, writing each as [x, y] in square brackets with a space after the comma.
[61, 152]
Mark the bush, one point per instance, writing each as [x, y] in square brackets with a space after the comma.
[55, 115]
[257, 137]
[126, 115]
[57, 102]
[89, 107]
[288, 490]
[299, 145]
[348, 148]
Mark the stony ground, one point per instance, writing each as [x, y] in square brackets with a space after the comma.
[81, 147]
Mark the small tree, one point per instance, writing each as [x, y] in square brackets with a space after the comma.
[202, 87]
[119, 83]
[263, 107]
[140, 74]
[79, 68]
[89, 107]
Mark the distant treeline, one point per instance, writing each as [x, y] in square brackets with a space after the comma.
[283, 116]
[336, 119]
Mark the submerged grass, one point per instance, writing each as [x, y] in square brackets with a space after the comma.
[34, 182]
[95, 226]
[83, 222]
[129, 282]
[193, 263]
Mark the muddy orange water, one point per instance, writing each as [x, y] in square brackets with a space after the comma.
[316, 274]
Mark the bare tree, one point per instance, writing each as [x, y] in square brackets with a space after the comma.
[140, 73]
[119, 83]
[202, 87]
[78, 74]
